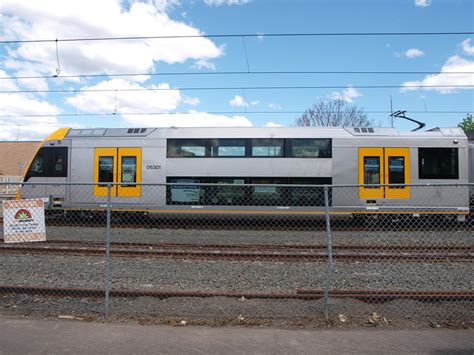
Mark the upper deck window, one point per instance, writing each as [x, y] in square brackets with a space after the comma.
[249, 147]
[186, 148]
[309, 148]
[267, 147]
[438, 163]
[228, 148]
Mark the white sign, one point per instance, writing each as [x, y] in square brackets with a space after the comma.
[23, 221]
[185, 193]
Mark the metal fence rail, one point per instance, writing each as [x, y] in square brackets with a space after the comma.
[241, 254]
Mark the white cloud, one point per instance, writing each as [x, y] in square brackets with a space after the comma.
[20, 105]
[272, 124]
[6, 84]
[414, 53]
[204, 64]
[453, 64]
[274, 106]
[238, 101]
[22, 19]
[126, 101]
[466, 46]
[190, 119]
[422, 3]
[193, 101]
[348, 94]
[226, 2]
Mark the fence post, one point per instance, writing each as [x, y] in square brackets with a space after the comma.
[107, 252]
[329, 249]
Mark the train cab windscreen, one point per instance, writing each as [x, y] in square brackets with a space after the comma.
[49, 162]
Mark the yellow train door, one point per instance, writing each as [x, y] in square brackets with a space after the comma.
[105, 170]
[129, 172]
[371, 173]
[397, 171]
[118, 165]
[384, 166]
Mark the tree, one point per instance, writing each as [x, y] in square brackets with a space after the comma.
[467, 124]
[334, 112]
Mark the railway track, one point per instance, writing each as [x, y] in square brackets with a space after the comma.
[251, 252]
[286, 223]
[363, 295]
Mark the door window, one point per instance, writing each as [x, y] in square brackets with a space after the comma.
[129, 169]
[371, 170]
[106, 169]
[396, 170]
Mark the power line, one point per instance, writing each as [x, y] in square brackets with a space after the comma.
[201, 88]
[85, 114]
[270, 72]
[244, 35]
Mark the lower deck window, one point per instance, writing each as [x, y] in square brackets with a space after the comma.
[235, 191]
[438, 163]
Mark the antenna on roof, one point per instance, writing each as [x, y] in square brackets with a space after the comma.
[401, 114]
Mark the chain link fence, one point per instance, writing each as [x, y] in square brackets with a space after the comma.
[239, 254]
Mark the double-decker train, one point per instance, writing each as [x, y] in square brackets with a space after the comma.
[253, 169]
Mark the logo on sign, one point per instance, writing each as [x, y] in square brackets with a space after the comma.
[23, 215]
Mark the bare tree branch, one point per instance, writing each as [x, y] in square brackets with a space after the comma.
[334, 112]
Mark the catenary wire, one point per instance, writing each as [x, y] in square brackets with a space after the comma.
[202, 88]
[248, 35]
[259, 72]
[85, 114]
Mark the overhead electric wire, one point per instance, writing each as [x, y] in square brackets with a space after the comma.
[244, 35]
[202, 88]
[118, 113]
[252, 72]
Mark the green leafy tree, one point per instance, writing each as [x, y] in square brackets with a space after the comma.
[467, 124]
[334, 112]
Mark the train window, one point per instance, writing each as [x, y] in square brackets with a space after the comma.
[267, 147]
[57, 162]
[106, 169]
[308, 195]
[226, 192]
[189, 148]
[49, 162]
[309, 148]
[129, 169]
[438, 163]
[190, 193]
[371, 170]
[396, 170]
[228, 148]
[38, 167]
[268, 194]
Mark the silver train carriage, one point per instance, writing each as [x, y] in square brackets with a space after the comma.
[285, 156]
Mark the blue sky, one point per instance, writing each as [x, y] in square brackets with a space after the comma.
[51, 19]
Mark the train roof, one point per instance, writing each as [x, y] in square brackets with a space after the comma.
[261, 132]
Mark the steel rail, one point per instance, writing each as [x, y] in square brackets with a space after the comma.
[364, 295]
[253, 253]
